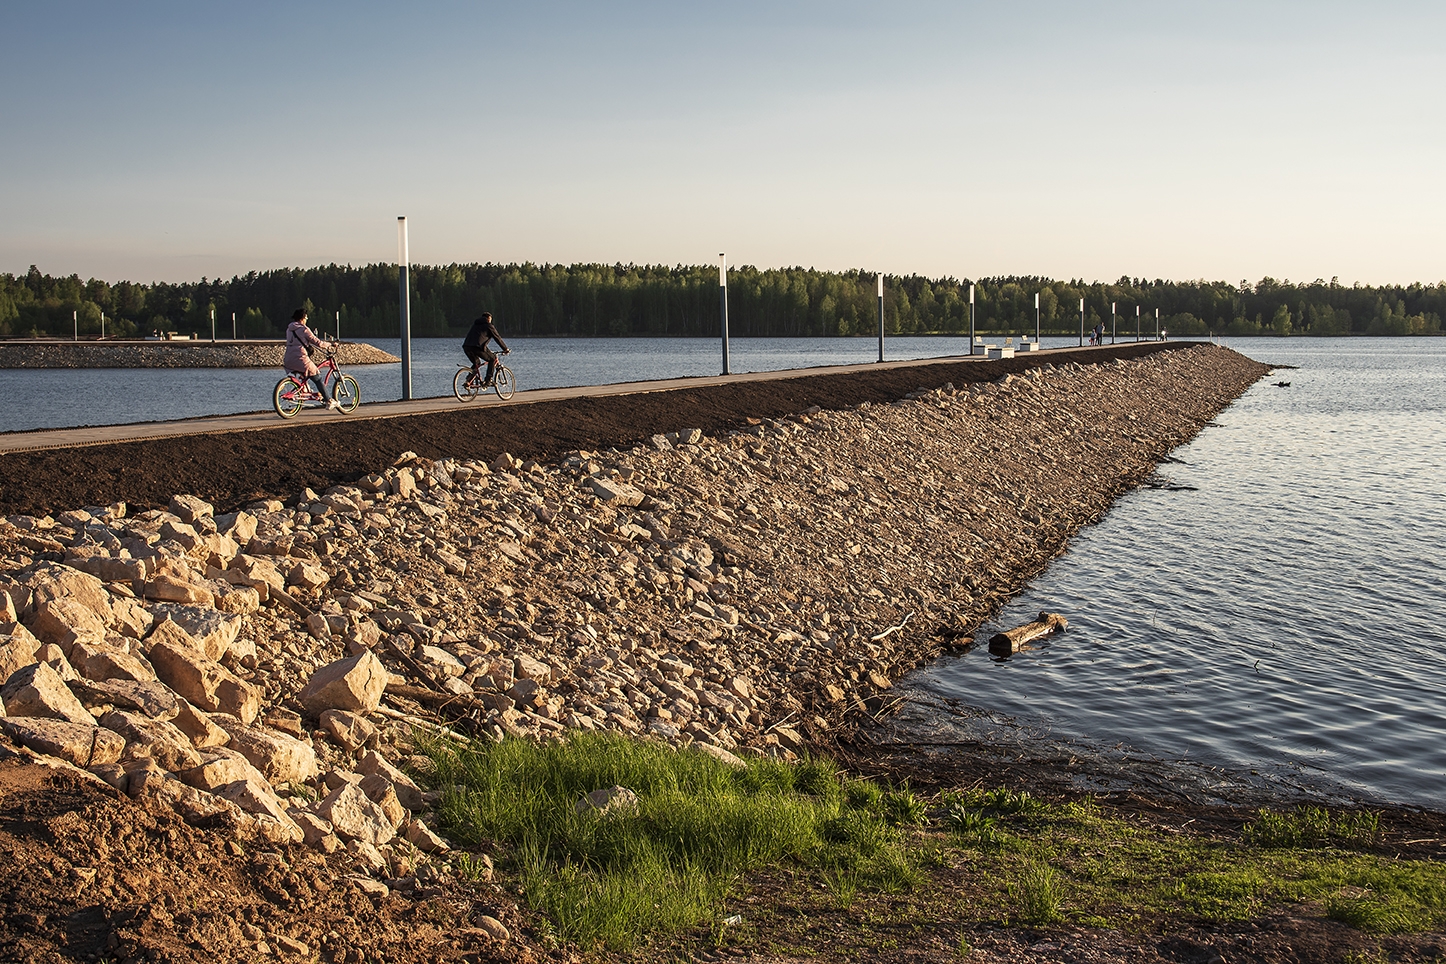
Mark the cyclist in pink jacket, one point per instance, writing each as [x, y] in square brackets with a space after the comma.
[299, 338]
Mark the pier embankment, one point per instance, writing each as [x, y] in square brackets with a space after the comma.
[188, 353]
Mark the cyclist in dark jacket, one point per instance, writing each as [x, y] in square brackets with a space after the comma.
[476, 348]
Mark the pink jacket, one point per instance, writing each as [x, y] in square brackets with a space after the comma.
[298, 339]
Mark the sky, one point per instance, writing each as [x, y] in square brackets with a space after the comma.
[154, 141]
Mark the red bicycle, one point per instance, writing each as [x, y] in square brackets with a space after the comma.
[294, 392]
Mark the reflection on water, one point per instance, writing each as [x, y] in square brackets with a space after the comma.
[1281, 610]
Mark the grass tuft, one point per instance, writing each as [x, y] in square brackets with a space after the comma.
[1313, 827]
[1037, 893]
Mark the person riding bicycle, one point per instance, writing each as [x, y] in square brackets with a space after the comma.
[475, 345]
[299, 338]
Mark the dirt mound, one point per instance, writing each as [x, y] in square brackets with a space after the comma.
[234, 469]
[88, 875]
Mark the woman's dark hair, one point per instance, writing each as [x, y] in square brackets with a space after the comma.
[298, 314]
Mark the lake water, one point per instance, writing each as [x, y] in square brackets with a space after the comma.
[1286, 618]
[59, 398]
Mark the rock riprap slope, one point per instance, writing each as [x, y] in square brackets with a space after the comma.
[746, 593]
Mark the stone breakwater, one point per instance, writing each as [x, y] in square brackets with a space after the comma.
[169, 354]
[752, 592]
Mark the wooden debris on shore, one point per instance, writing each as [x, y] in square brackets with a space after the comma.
[1013, 640]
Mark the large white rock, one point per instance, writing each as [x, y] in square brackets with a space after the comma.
[51, 580]
[256, 797]
[373, 763]
[147, 697]
[355, 683]
[202, 681]
[202, 732]
[156, 739]
[213, 631]
[354, 817]
[75, 743]
[108, 663]
[217, 770]
[38, 690]
[612, 490]
[131, 618]
[66, 621]
[280, 758]
[16, 652]
[190, 509]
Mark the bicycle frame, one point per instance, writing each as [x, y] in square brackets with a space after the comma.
[303, 392]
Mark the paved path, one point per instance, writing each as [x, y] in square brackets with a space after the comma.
[268, 420]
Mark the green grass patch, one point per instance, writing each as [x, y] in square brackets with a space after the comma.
[1313, 827]
[609, 880]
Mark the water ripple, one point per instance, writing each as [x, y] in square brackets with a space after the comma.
[1285, 614]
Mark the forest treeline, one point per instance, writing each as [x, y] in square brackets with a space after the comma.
[617, 300]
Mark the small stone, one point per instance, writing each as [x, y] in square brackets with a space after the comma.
[355, 683]
[349, 730]
[608, 801]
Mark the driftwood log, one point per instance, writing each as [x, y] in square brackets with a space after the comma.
[1013, 640]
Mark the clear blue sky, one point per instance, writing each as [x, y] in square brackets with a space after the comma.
[1223, 140]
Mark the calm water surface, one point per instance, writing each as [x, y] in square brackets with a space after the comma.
[57, 398]
[1289, 615]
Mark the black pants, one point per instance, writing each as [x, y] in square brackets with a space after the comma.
[474, 352]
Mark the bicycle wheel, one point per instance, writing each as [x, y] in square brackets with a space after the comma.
[460, 388]
[347, 394]
[505, 385]
[284, 399]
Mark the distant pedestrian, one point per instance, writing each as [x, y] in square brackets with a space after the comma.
[299, 339]
[475, 345]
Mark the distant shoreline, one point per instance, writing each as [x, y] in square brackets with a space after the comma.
[189, 353]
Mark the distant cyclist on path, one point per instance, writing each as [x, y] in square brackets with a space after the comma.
[298, 360]
[476, 348]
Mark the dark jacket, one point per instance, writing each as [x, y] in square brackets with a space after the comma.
[483, 329]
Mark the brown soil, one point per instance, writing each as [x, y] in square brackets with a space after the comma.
[86, 875]
[233, 469]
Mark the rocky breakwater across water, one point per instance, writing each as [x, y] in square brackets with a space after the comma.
[169, 354]
[269, 669]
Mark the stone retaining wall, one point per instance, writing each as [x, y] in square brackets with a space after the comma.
[169, 354]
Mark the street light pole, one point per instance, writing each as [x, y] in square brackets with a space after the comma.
[75, 320]
[213, 323]
[233, 326]
[881, 316]
[1112, 322]
[1137, 322]
[1081, 322]
[1157, 324]
[971, 319]
[1036, 317]
[406, 310]
[723, 305]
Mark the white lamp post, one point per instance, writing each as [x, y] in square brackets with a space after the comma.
[723, 305]
[406, 310]
[881, 317]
